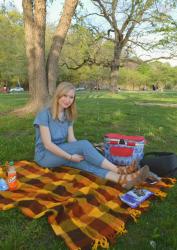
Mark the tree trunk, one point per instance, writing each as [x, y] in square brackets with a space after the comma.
[29, 38]
[58, 41]
[41, 91]
[35, 51]
[115, 66]
[42, 78]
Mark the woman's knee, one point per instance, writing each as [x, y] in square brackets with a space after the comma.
[85, 144]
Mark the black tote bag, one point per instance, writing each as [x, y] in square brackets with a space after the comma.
[161, 163]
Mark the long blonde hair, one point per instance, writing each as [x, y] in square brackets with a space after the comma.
[61, 90]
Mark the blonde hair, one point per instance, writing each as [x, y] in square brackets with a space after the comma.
[61, 90]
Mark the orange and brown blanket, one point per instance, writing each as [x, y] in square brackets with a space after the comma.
[82, 209]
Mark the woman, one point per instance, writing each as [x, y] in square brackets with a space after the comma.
[56, 144]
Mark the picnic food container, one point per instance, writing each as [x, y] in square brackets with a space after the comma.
[122, 149]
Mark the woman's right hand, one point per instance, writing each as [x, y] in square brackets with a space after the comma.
[77, 158]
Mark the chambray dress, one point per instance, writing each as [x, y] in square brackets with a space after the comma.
[59, 132]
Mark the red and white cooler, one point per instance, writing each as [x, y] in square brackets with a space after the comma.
[123, 149]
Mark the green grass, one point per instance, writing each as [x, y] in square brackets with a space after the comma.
[99, 113]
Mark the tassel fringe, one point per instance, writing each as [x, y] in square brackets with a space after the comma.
[134, 213]
[103, 242]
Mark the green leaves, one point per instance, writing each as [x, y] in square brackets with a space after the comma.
[12, 51]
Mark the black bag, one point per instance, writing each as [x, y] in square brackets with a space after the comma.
[164, 164]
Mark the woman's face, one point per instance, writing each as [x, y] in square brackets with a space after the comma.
[66, 100]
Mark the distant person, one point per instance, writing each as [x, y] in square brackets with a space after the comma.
[153, 87]
[57, 146]
[144, 88]
[5, 88]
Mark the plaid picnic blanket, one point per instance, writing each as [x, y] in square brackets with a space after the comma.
[82, 209]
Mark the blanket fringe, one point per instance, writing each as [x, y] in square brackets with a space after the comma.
[173, 180]
[144, 204]
[134, 213]
[160, 194]
[168, 182]
[122, 230]
[102, 242]
[37, 197]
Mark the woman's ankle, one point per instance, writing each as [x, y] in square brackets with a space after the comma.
[109, 166]
[112, 176]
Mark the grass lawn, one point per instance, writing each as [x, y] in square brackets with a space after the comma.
[99, 113]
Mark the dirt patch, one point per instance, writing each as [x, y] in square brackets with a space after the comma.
[173, 105]
[4, 113]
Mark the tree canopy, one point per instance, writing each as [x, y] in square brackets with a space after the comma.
[12, 49]
[88, 51]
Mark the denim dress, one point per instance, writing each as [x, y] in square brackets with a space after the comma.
[59, 132]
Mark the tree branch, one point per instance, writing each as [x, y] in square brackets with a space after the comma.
[160, 57]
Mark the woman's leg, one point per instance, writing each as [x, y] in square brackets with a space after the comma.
[81, 147]
[126, 180]
[50, 160]
[102, 167]
[90, 154]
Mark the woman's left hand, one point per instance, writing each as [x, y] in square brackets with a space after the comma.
[76, 158]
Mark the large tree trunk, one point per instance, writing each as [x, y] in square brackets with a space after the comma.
[29, 38]
[41, 91]
[43, 78]
[58, 41]
[34, 19]
[115, 66]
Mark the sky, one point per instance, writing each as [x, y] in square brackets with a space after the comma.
[54, 9]
[53, 13]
